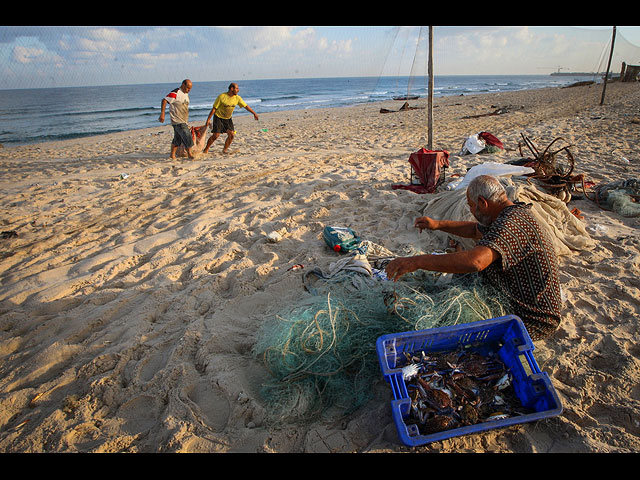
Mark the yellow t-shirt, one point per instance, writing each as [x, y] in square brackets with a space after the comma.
[225, 104]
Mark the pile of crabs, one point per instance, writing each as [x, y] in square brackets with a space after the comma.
[458, 388]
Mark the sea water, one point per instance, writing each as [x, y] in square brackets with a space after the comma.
[29, 116]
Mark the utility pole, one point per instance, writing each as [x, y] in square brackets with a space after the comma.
[430, 69]
[604, 87]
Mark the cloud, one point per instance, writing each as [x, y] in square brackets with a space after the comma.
[514, 50]
[258, 41]
[34, 55]
[144, 54]
[152, 60]
[334, 47]
[26, 54]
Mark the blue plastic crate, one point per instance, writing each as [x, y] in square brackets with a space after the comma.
[506, 336]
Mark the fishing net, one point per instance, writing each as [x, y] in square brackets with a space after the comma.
[621, 197]
[321, 353]
[623, 203]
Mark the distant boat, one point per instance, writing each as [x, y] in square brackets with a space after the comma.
[407, 97]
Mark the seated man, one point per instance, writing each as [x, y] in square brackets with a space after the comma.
[513, 254]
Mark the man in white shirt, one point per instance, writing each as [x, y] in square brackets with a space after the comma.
[178, 100]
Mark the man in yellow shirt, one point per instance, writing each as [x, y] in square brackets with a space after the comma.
[221, 112]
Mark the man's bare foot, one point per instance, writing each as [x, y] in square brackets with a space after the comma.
[226, 151]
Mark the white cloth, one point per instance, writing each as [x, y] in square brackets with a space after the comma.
[494, 169]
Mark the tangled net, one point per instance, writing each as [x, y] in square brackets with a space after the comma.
[621, 196]
[322, 354]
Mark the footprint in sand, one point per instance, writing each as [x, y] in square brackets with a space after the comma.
[213, 406]
[153, 364]
[139, 414]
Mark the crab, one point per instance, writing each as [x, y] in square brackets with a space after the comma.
[436, 398]
[468, 414]
[410, 371]
[438, 423]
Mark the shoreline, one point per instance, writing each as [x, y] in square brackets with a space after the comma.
[242, 113]
[129, 307]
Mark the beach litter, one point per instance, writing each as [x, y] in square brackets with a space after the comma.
[405, 107]
[341, 239]
[274, 237]
[598, 229]
[497, 111]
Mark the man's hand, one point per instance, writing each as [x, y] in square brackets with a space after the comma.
[398, 267]
[426, 223]
[161, 118]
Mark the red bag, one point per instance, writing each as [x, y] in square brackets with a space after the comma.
[491, 140]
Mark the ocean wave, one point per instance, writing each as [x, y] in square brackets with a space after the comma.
[201, 106]
[96, 112]
[308, 102]
[279, 97]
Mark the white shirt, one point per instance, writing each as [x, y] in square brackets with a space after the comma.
[178, 106]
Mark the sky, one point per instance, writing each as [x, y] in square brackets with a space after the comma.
[58, 56]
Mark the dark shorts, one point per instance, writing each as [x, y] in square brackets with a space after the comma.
[221, 125]
[182, 135]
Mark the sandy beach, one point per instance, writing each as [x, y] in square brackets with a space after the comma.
[133, 289]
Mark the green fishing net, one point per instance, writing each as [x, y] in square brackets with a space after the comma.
[623, 203]
[621, 197]
[321, 353]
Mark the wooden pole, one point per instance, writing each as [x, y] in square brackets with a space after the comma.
[604, 87]
[430, 68]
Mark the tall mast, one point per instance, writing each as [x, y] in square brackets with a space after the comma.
[604, 86]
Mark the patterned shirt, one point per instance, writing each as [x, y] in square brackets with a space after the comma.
[527, 272]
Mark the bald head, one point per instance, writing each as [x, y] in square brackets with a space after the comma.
[186, 85]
